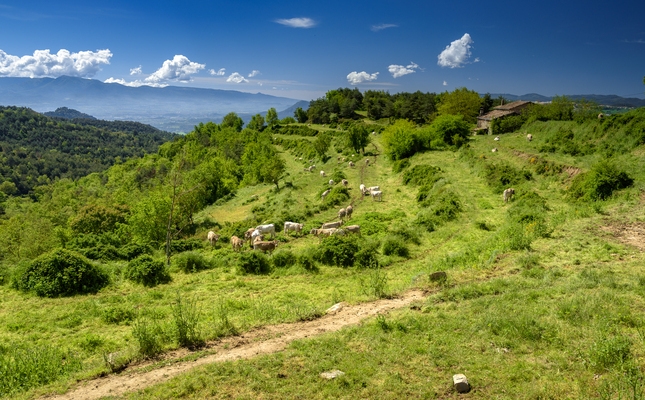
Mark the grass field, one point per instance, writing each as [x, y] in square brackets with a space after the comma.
[550, 309]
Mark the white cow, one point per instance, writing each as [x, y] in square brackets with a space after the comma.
[341, 213]
[331, 182]
[508, 193]
[269, 228]
[328, 225]
[351, 164]
[344, 182]
[353, 229]
[292, 226]
[324, 194]
[494, 150]
[529, 137]
[373, 188]
[348, 211]
[213, 238]
[496, 138]
[377, 193]
[362, 188]
[322, 173]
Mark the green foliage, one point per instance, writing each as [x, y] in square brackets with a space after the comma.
[417, 107]
[182, 245]
[367, 256]
[117, 314]
[147, 334]
[376, 285]
[339, 251]
[147, 271]
[453, 130]
[442, 205]
[307, 260]
[300, 114]
[232, 120]
[395, 246]
[25, 367]
[337, 196]
[600, 182]
[358, 137]
[61, 273]
[256, 123]
[423, 174]
[192, 261]
[400, 165]
[186, 316]
[462, 102]
[509, 123]
[610, 352]
[284, 259]
[254, 262]
[296, 130]
[501, 175]
[561, 108]
[321, 144]
[271, 117]
[400, 140]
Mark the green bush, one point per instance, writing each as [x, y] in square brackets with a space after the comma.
[367, 256]
[134, 250]
[503, 175]
[147, 271]
[600, 182]
[254, 262]
[192, 261]
[117, 314]
[284, 259]
[400, 165]
[395, 246]
[338, 250]
[307, 260]
[61, 273]
[338, 195]
[422, 175]
[181, 245]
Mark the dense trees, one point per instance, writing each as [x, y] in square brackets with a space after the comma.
[232, 120]
[461, 102]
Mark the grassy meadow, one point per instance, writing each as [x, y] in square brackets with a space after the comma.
[544, 296]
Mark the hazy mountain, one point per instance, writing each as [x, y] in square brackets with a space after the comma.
[605, 100]
[171, 108]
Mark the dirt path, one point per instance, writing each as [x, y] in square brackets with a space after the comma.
[265, 340]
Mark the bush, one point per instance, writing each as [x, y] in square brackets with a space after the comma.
[502, 175]
[181, 245]
[338, 250]
[307, 261]
[395, 246]
[338, 195]
[422, 175]
[192, 261]
[600, 182]
[400, 165]
[134, 250]
[147, 271]
[400, 140]
[254, 262]
[367, 256]
[61, 273]
[284, 259]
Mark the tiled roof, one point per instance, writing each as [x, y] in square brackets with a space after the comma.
[512, 105]
[495, 114]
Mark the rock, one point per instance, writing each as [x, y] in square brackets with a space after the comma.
[332, 374]
[461, 383]
[335, 308]
[438, 276]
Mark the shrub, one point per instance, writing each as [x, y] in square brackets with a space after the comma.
[134, 250]
[338, 250]
[284, 259]
[422, 175]
[400, 165]
[147, 333]
[254, 262]
[105, 253]
[400, 140]
[181, 245]
[186, 316]
[338, 195]
[367, 256]
[97, 219]
[117, 315]
[502, 175]
[600, 182]
[307, 261]
[338, 176]
[396, 246]
[61, 273]
[192, 261]
[452, 129]
[147, 271]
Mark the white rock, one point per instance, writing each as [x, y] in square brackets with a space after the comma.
[332, 374]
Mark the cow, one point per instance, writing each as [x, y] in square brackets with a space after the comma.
[324, 194]
[341, 213]
[213, 238]
[256, 235]
[351, 164]
[322, 173]
[265, 246]
[328, 225]
[323, 231]
[236, 243]
[494, 150]
[292, 226]
[348, 211]
[248, 233]
[353, 229]
[529, 137]
[377, 193]
[311, 168]
[269, 228]
[373, 188]
[362, 188]
[508, 193]
[496, 138]
[331, 182]
[344, 182]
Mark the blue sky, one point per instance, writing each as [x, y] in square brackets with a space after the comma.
[302, 49]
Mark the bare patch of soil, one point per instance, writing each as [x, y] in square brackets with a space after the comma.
[632, 234]
[265, 340]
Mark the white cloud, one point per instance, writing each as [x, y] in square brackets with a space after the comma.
[445, 83]
[220, 72]
[380, 27]
[359, 77]
[84, 64]
[398, 71]
[297, 22]
[180, 68]
[236, 78]
[457, 53]
[253, 73]
[136, 83]
[136, 71]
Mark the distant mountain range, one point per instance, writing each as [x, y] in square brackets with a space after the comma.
[605, 100]
[173, 108]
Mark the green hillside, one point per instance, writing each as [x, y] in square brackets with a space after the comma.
[542, 297]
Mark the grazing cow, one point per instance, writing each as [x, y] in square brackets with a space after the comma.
[367, 161]
[377, 193]
[353, 229]
[213, 238]
[348, 211]
[341, 213]
[508, 193]
[331, 182]
[311, 168]
[328, 225]
[496, 138]
[324, 231]
[351, 164]
[248, 233]
[237, 243]
[292, 226]
[324, 194]
[265, 246]
[344, 182]
[269, 228]
[373, 188]
[322, 173]
[362, 188]
[529, 137]
[256, 235]
[494, 150]
[338, 232]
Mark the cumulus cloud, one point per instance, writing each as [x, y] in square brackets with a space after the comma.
[135, 83]
[236, 78]
[219, 72]
[380, 27]
[355, 78]
[445, 83]
[457, 53]
[180, 68]
[136, 71]
[297, 22]
[398, 71]
[84, 64]
[253, 73]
